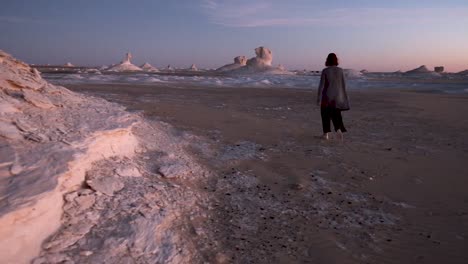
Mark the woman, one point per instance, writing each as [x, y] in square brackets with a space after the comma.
[332, 97]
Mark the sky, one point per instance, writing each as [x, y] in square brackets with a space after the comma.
[366, 34]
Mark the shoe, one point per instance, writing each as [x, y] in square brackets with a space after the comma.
[326, 136]
[340, 134]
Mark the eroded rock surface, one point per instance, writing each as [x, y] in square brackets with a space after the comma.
[48, 137]
[149, 220]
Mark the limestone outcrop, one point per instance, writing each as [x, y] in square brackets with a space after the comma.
[261, 63]
[49, 137]
[263, 59]
[148, 67]
[239, 62]
[193, 67]
[84, 181]
[421, 72]
[125, 65]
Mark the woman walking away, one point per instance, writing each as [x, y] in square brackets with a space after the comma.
[332, 97]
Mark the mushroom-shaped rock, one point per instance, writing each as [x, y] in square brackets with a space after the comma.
[262, 60]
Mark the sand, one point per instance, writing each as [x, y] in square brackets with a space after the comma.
[394, 191]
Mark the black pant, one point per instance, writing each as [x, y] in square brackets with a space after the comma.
[334, 114]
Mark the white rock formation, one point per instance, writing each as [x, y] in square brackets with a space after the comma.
[125, 65]
[239, 62]
[169, 68]
[421, 69]
[193, 67]
[422, 72]
[261, 63]
[281, 67]
[465, 72]
[49, 137]
[352, 74]
[263, 59]
[148, 67]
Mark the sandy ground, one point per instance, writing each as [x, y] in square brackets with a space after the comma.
[393, 192]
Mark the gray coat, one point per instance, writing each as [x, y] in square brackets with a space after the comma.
[332, 89]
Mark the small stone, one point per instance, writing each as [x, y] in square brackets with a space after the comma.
[106, 185]
[8, 130]
[86, 253]
[70, 197]
[128, 171]
[85, 201]
[16, 168]
[36, 137]
[173, 170]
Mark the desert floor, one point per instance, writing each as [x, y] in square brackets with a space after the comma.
[394, 191]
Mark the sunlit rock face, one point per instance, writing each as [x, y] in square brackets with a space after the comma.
[263, 59]
[49, 136]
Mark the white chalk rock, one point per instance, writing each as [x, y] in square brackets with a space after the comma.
[422, 72]
[125, 65]
[193, 68]
[128, 171]
[106, 184]
[173, 170]
[9, 131]
[263, 58]
[37, 99]
[148, 67]
[352, 74]
[239, 62]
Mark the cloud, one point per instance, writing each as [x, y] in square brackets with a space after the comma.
[21, 20]
[243, 13]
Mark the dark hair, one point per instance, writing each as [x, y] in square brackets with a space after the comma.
[332, 60]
